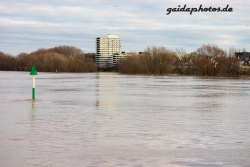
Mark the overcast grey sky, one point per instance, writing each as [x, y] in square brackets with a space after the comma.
[27, 25]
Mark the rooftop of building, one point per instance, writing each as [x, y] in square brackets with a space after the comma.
[242, 55]
[110, 36]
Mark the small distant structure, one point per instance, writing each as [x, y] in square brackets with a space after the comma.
[244, 58]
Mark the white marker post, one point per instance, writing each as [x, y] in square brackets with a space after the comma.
[33, 72]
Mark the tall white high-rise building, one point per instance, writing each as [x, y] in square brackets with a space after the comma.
[107, 48]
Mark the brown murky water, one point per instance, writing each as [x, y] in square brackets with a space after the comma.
[107, 119]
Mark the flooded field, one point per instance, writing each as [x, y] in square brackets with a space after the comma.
[107, 119]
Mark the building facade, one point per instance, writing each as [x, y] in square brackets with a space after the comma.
[108, 50]
[244, 60]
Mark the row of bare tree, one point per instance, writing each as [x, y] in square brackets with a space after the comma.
[208, 60]
[154, 60]
[61, 59]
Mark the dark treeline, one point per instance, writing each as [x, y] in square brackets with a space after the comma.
[61, 59]
[208, 60]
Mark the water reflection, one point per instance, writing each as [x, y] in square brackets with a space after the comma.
[33, 110]
[107, 88]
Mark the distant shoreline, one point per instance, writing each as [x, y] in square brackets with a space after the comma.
[148, 75]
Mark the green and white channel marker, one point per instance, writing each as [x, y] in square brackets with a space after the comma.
[33, 72]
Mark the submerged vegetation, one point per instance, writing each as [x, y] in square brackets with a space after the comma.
[208, 60]
[61, 59]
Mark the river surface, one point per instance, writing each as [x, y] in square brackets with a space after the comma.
[108, 119]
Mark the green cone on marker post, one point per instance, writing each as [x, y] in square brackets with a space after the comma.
[33, 72]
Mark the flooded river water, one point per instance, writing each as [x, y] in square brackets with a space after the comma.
[108, 119]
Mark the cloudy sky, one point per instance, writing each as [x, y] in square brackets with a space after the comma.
[27, 25]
